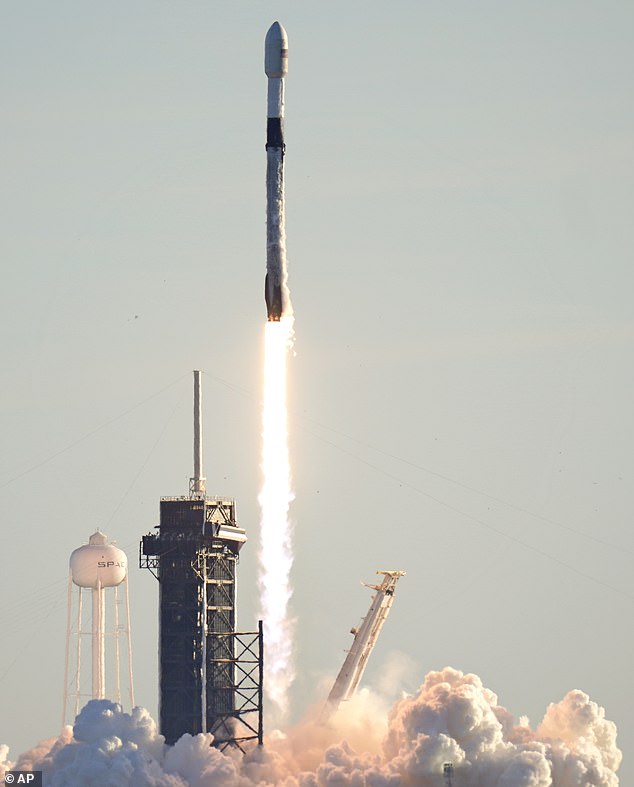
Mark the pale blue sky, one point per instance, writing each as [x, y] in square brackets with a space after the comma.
[459, 214]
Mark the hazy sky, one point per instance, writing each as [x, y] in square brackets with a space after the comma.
[460, 189]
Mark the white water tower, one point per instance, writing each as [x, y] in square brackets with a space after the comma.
[101, 568]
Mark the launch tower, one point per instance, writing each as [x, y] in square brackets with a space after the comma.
[209, 674]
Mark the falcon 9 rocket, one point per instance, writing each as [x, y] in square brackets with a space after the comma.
[276, 68]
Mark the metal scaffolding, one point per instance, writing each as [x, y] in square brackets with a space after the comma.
[245, 722]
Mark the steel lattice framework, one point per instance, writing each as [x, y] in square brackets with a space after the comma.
[246, 666]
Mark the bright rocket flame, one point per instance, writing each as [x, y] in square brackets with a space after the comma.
[276, 557]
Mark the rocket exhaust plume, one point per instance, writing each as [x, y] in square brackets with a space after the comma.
[276, 494]
[276, 556]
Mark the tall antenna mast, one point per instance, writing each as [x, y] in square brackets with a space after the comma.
[197, 483]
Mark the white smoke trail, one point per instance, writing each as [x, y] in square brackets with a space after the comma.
[275, 497]
[451, 718]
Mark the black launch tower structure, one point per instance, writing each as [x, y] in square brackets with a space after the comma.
[210, 674]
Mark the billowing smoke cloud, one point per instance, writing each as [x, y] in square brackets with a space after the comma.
[5, 763]
[452, 718]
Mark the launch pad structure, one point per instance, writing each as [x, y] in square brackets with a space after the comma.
[210, 674]
[365, 637]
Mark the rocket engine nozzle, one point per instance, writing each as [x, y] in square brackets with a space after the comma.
[273, 298]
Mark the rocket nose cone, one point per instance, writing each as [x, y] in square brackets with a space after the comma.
[276, 31]
[276, 51]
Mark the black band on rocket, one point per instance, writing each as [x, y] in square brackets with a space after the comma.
[274, 133]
